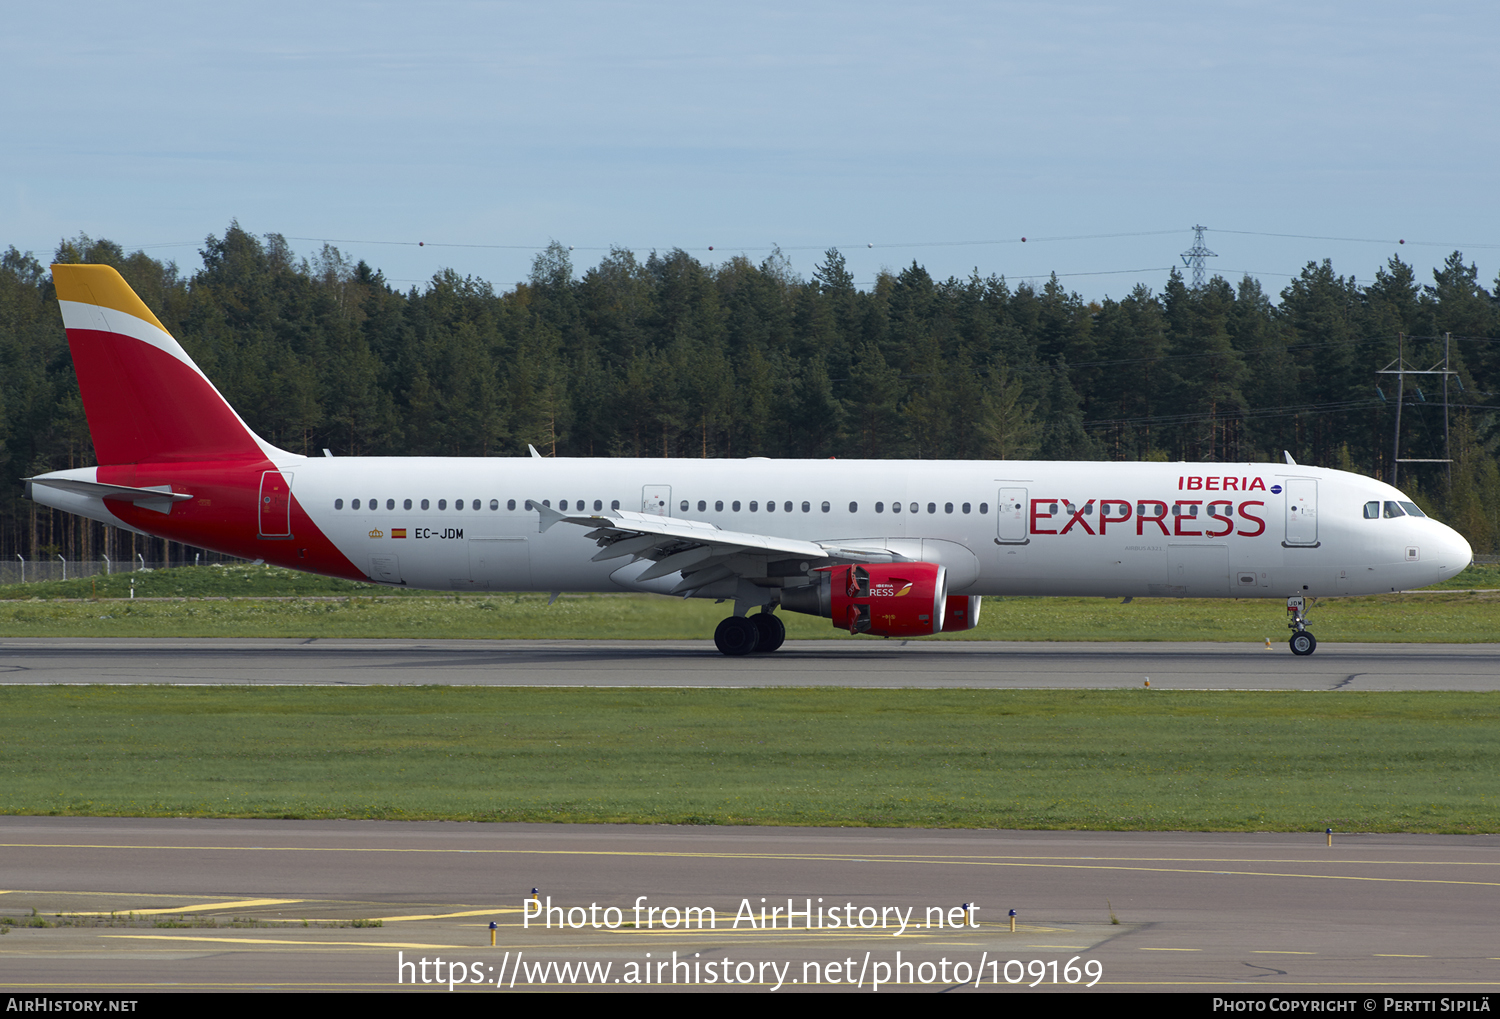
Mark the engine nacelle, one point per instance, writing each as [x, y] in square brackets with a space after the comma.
[883, 600]
[961, 613]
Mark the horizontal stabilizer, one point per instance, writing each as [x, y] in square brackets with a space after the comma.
[157, 497]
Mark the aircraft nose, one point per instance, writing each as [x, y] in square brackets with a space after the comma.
[1456, 553]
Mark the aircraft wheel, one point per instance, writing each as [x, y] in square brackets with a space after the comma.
[737, 635]
[771, 629]
[1303, 643]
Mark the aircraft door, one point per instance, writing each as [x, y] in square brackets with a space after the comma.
[275, 505]
[1302, 512]
[657, 500]
[1010, 514]
[1198, 571]
[501, 564]
[385, 569]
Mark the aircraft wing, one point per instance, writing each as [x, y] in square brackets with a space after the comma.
[701, 551]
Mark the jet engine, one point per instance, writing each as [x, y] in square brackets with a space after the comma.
[961, 612]
[884, 600]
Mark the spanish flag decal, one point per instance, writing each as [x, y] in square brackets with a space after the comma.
[398, 532]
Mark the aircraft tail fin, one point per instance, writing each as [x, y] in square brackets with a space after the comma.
[145, 399]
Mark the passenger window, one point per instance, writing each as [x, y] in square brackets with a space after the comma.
[614, 504]
[390, 504]
[374, 504]
[338, 504]
[684, 506]
[879, 507]
[826, 507]
[913, 507]
[965, 507]
[442, 504]
[786, 507]
[510, 504]
[1372, 511]
[895, 507]
[1392, 510]
[702, 505]
[718, 505]
[494, 505]
[354, 504]
[406, 504]
[735, 506]
[598, 505]
[807, 507]
[947, 507]
[932, 507]
[770, 505]
[984, 507]
[854, 507]
[458, 504]
[476, 505]
[754, 505]
[425, 504]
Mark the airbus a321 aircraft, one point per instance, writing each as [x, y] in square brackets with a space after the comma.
[886, 548]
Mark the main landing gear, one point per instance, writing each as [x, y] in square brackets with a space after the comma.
[1302, 641]
[744, 635]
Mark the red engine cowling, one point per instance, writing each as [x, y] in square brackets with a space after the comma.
[961, 612]
[883, 600]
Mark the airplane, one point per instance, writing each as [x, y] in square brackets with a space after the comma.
[885, 548]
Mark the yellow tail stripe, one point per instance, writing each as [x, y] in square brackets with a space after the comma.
[100, 285]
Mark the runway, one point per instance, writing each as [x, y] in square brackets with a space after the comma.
[152, 904]
[926, 664]
[138, 904]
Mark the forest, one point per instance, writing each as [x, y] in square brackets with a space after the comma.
[666, 356]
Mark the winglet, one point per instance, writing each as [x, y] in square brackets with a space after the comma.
[1288, 456]
[534, 453]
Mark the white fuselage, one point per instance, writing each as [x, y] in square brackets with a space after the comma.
[1001, 528]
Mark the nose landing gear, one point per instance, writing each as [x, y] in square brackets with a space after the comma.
[1302, 641]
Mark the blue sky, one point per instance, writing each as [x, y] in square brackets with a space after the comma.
[488, 129]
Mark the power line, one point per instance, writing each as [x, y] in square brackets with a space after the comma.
[980, 242]
[1358, 240]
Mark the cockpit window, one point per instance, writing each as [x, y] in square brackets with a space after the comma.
[1372, 511]
[1413, 509]
[1392, 510]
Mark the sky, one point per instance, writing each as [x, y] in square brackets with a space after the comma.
[939, 133]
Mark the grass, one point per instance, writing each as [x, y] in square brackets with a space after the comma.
[260, 601]
[1122, 760]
